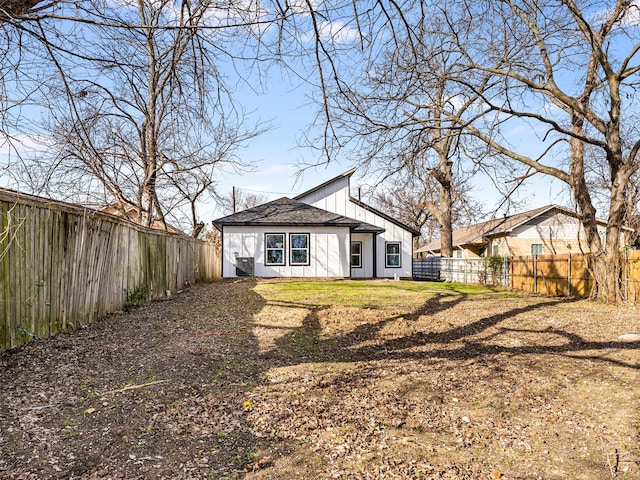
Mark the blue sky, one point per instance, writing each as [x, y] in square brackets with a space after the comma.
[277, 156]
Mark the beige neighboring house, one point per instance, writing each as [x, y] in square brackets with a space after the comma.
[543, 231]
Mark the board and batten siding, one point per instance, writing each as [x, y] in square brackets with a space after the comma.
[366, 270]
[329, 252]
[336, 198]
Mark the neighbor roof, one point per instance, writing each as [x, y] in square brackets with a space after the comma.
[287, 212]
[475, 234]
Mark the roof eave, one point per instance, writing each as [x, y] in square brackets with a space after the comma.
[414, 233]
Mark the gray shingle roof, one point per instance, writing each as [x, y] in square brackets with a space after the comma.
[360, 203]
[287, 212]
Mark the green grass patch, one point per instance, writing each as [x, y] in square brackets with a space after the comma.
[366, 293]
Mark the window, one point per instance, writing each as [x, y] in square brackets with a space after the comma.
[274, 249]
[392, 254]
[299, 248]
[496, 250]
[537, 249]
[356, 254]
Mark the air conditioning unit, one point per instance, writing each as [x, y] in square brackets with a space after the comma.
[245, 267]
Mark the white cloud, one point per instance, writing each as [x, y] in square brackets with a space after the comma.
[631, 16]
[337, 32]
[24, 144]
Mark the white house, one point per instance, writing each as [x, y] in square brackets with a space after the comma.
[323, 232]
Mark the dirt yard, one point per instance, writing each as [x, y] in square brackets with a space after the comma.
[235, 380]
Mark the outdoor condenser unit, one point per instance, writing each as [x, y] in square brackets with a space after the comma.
[245, 267]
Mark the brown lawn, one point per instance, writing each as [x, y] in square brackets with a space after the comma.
[353, 380]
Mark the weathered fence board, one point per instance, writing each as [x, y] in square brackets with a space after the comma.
[62, 265]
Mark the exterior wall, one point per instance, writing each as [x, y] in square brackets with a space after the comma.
[335, 198]
[332, 198]
[329, 249]
[366, 271]
[465, 252]
[557, 232]
[392, 233]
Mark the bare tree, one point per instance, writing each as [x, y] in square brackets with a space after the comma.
[400, 114]
[147, 112]
[568, 68]
[240, 199]
[565, 70]
[137, 97]
[412, 198]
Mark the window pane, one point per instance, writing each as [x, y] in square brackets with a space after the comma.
[537, 249]
[393, 260]
[275, 256]
[275, 241]
[355, 260]
[299, 256]
[393, 248]
[355, 248]
[300, 241]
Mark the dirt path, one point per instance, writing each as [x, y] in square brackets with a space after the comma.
[220, 383]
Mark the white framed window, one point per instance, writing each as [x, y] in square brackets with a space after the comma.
[274, 249]
[537, 249]
[392, 254]
[356, 254]
[299, 248]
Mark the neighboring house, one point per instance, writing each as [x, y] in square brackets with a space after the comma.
[320, 233]
[543, 231]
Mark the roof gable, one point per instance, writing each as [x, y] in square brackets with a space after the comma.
[317, 188]
[475, 234]
[347, 175]
[413, 231]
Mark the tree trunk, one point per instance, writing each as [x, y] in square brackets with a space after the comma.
[446, 229]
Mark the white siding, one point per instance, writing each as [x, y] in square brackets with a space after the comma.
[366, 271]
[335, 198]
[329, 251]
[332, 198]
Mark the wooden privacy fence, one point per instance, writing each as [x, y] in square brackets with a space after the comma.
[631, 276]
[62, 265]
[556, 275]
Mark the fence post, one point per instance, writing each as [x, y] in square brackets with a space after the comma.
[625, 272]
[535, 273]
[569, 275]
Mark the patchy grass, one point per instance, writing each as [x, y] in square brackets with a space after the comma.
[365, 293]
[330, 379]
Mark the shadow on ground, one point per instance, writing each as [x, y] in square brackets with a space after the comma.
[166, 391]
